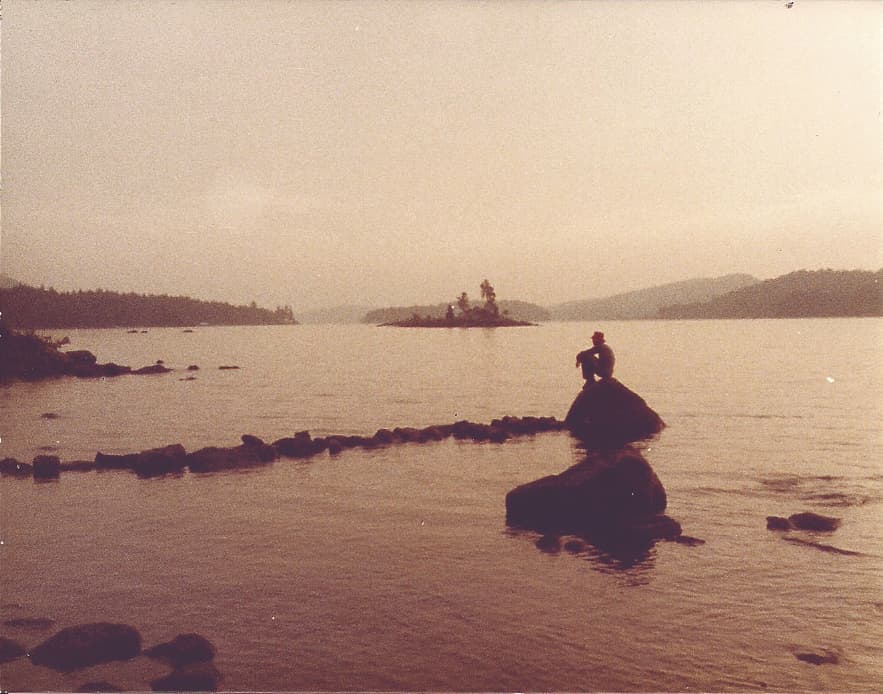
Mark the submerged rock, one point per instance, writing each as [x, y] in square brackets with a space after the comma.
[15, 468]
[160, 461]
[613, 493]
[46, 467]
[158, 368]
[198, 677]
[301, 445]
[251, 454]
[87, 644]
[102, 686]
[612, 498]
[182, 650]
[607, 413]
[10, 650]
[803, 521]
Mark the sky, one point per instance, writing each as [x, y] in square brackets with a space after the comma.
[395, 153]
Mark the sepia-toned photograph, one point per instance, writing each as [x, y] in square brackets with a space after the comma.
[441, 346]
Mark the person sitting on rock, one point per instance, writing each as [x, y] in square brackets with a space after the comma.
[598, 360]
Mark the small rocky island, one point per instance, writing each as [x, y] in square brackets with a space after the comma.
[486, 316]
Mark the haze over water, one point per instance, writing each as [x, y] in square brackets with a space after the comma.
[393, 568]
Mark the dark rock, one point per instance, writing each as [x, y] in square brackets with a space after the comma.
[301, 445]
[384, 437]
[250, 440]
[198, 677]
[29, 622]
[575, 546]
[826, 658]
[689, 541]
[96, 687]
[610, 492]
[131, 331]
[87, 644]
[46, 467]
[160, 361]
[184, 649]
[188, 378]
[111, 369]
[157, 368]
[778, 523]
[81, 356]
[193, 367]
[49, 415]
[334, 446]
[187, 330]
[10, 650]
[227, 368]
[160, 461]
[607, 413]
[78, 466]
[498, 434]
[407, 435]
[213, 459]
[14, 468]
[433, 433]
[814, 521]
[549, 543]
[110, 461]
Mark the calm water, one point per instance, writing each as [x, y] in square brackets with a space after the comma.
[392, 569]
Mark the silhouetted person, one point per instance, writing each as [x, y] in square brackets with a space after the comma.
[598, 360]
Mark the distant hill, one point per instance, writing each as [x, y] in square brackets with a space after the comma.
[32, 307]
[646, 303]
[801, 294]
[335, 314]
[517, 310]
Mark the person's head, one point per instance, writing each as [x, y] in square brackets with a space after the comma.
[598, 338]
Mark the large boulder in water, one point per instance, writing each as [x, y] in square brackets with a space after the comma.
[87, 644]
[607, 413]
[613, 493]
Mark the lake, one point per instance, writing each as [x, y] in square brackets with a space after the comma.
[393, 569]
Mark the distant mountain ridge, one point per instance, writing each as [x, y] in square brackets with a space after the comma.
[646, 303]
[801, 294]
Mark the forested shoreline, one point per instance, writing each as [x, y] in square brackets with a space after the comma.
[26, 307]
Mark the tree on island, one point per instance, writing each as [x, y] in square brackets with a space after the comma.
[490, 298]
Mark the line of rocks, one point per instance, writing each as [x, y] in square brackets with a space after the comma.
[253, 451]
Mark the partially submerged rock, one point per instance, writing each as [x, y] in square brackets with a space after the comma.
[253, 452]
[184, 649]
[803, 521]
[87, 644]
[198, 677]
[15, 468]
[10, 650]
[607, 413]
[46, 467]
[611, 493]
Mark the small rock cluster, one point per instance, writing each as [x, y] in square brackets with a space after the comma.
[190, 656]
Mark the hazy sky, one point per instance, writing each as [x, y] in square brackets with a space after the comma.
[384, 153]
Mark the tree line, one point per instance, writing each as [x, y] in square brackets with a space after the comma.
[27, 307]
